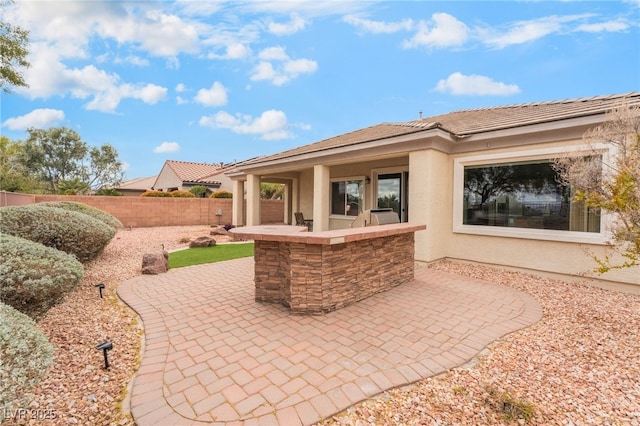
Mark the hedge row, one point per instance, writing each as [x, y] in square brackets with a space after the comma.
[35, 277]
[40, 246]
[25, 355]
[86, 209]
[69, 231]
[185, 194]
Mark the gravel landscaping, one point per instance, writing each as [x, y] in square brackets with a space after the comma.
[579, 365]
[77, 389]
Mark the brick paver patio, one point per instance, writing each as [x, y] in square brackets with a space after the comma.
[213, 354]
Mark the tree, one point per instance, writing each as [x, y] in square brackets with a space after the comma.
[200, 191]
[104, 167]
[272, 191]
[54, 155]
[59, 154]
[611, 182]
[73, 187]
[13, 176]
[13, 51]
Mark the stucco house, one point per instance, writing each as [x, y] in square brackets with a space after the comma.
[136, 187]
[183, 175]
[481, 180]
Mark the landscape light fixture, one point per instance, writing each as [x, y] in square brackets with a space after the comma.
[105, 346]
[100, 287]
[219, 214]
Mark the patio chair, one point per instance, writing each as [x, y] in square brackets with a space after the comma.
[301, 221]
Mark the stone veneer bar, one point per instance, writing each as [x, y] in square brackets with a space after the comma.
[318, 272]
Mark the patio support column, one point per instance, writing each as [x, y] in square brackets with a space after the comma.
[253, 200]
[286, 196]
[321, 197]
[430, 200]
[237, 204]
[294, 193]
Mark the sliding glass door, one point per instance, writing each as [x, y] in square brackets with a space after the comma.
[392, 192]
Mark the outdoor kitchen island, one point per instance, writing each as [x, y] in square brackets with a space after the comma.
[318, 272]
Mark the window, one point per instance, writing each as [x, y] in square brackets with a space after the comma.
[523, 194]
[347, 197]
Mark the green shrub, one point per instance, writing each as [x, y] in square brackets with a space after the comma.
[86, 209]
[25, 356]
[72, 232]
[34, 277]
[182, 194]
[110, 192]
[222, 194]
[199, 191]
[155, 194]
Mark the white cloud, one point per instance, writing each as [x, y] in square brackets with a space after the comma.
[378, 27]
[180, 87]
[38, 118]
[199, 8]
[165, 147]
[442, 31]
[180, 100]
[609, 26]
[275, 53]
[285, 70]
[271, 124]
[108, 100]
[526, 31]
[135, 60]
[237, 51]
[477, 85]
[150, 94]
[49, 76]
[300, 66]
[215, 96]
[69, 26]
[296, 24]
[232, 50]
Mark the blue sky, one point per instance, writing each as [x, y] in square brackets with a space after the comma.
[218, 81]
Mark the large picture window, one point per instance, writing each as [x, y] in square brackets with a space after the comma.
[347, 197]
[523, 195]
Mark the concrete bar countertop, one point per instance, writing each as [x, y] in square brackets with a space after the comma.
[299, 234]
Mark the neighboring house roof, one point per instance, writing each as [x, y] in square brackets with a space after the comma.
[138, 184]
[464, 123]
[199, 173]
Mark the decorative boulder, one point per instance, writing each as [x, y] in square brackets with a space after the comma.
[220, 230]
[202, 242]
[155, 263]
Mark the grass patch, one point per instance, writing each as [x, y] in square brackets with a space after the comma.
[201, 255]
[511, 407]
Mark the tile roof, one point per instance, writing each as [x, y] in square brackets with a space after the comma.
[468, 122]
[465, 123]
[195, 172]
[138, 184]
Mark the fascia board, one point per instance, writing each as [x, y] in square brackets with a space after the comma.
[555, 131]
[433, 138]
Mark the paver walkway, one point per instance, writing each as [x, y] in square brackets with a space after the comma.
[213, 354]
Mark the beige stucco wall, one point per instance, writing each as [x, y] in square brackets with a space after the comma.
[359, 170]
[167, 179]
[538, 255]
[305, 193]
[226, 183]
[430, 200]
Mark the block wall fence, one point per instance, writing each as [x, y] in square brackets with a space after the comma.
[140, 212]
